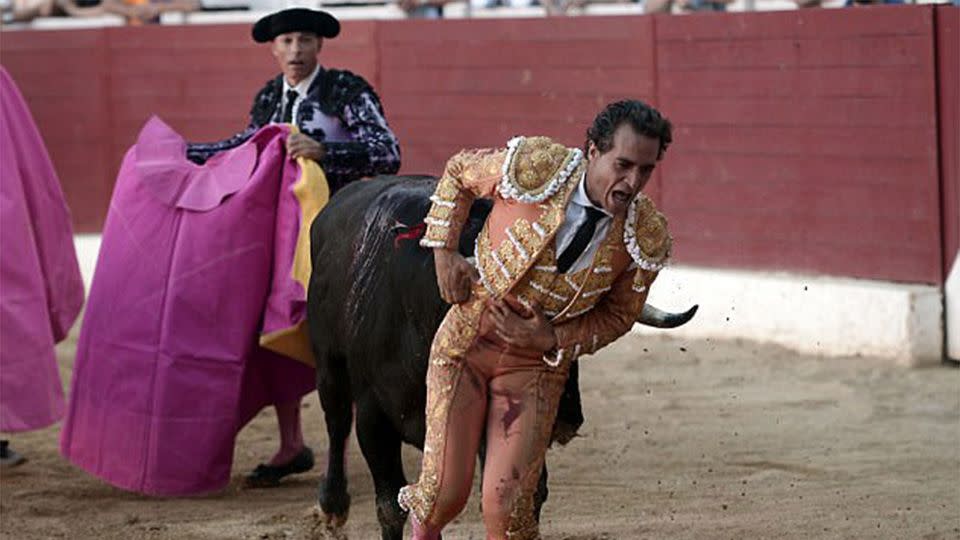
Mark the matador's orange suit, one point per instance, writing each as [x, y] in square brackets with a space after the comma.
[477, 384]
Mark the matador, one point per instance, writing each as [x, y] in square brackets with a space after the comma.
[563, 267]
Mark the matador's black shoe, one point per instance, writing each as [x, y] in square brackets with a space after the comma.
[265, 476]
[9, 457]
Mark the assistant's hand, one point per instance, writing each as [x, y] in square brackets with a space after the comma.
[526, 328]
[300, 145]
[455, 276]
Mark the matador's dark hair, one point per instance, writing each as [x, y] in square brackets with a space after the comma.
[644, 119]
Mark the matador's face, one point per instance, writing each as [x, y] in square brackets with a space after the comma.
[296, 53]
[616, 176]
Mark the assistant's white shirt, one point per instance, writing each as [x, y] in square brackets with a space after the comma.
[301, 89]
[575, 215]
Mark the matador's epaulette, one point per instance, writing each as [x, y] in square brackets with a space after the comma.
[645, 234]
[536, 168]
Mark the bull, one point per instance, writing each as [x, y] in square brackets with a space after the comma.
[372, 310]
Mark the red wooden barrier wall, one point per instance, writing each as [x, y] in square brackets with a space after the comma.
[806, 140]
[948, 59]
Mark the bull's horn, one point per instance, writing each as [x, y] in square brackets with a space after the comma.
[656, 317]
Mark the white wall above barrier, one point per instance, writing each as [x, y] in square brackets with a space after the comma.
[827, 316]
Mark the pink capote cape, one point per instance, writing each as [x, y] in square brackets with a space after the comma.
[41, 291]
[195, 262]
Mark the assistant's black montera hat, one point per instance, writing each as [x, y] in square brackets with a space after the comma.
[295, 20]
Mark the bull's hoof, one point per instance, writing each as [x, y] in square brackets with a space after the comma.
[320, 529]
[563, 433]
[334, 504]
[335, 521]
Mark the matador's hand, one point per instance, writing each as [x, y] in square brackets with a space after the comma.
[526, 328]
[300, 145]
[455, 276]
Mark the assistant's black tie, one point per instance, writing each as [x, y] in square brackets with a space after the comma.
[581, 239]
[292, 96]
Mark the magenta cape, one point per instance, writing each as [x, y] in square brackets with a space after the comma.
[195, 262]
[41, 290]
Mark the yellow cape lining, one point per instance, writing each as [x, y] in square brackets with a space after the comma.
[312, 192]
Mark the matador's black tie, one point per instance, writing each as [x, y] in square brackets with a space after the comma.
[581, 239]
[292, 96]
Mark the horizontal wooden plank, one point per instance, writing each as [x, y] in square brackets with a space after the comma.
[857, 51]
[189, 37]
[807, 23]
[204, 130]
[66, 108]
[491, 132]
[79, 61]
[862, 82]
[801, 227]
[179, 37]
[161, 62]
[518, 80]
[363, 62]
[748, 250]
[442, 107]
[128, 123]
[863, 142]
[59, 131]
[60, 41]
[78, 89]
[80, 158]
[854, 234]
[753, 252]
[880, 174]
[232, 87]
[787, 203]
[798, 111]
[214, 114]
[572, 28]
[636, 53]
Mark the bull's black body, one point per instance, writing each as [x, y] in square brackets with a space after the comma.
[373, 309]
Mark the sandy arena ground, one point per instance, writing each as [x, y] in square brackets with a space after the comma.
[682, 440]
